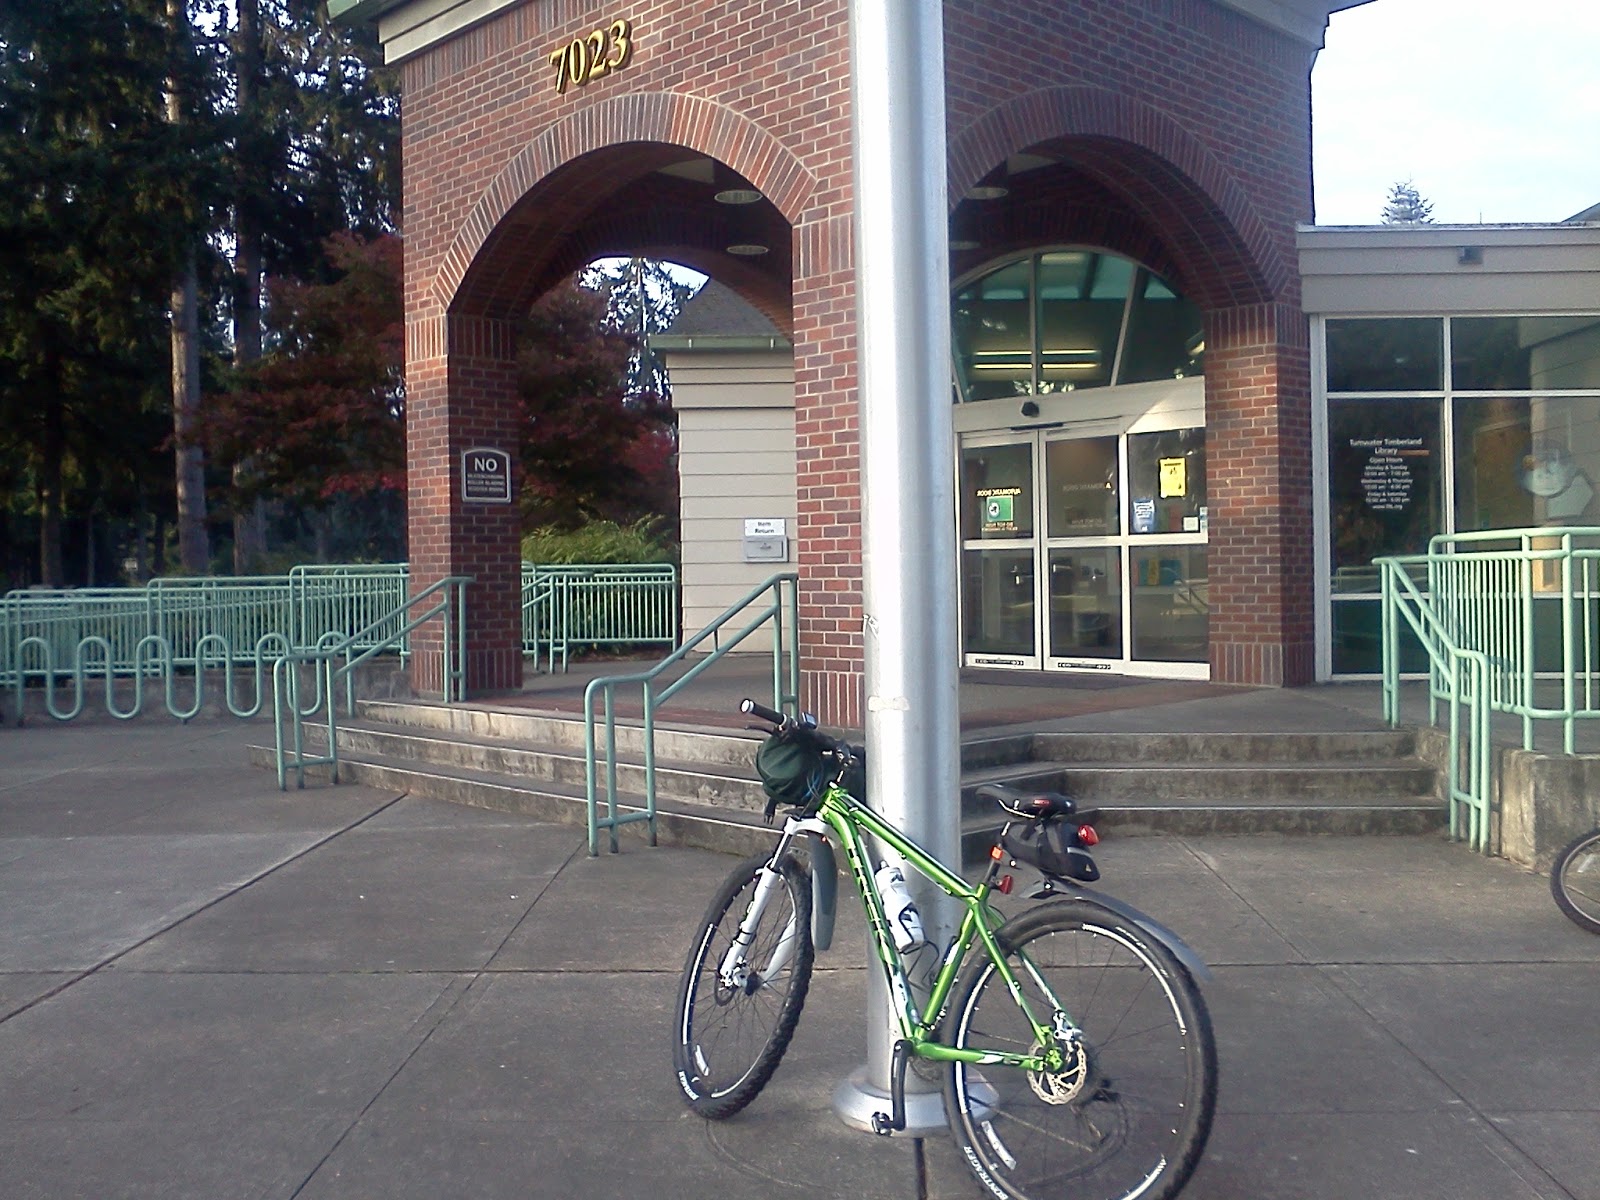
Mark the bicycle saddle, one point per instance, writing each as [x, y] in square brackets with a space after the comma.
[1032, 806]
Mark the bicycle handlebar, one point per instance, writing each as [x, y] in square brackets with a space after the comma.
[755, 709]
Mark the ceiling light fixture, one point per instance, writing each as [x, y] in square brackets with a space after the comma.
[748, 249]
[987, 191]
[737, 195]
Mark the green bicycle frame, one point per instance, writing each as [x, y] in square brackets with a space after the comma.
[852, 823]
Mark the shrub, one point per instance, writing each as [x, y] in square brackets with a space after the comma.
[601, 541]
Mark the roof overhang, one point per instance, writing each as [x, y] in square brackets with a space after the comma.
[408, 27]
[1427, 269]
[1305, 20]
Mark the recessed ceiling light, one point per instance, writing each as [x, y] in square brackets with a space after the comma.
[963, 244]
[747, 249]
[985, 191]
[737, 196]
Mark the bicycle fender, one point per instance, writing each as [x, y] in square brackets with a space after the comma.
[1170, 941]
[824, 890]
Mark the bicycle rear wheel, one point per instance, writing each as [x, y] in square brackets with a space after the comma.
[1575, 881]
[733, 1026]
[1128, 1115]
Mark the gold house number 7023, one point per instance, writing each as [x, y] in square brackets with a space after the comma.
[595, 54]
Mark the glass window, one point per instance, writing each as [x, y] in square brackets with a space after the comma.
[997, 492]
[1171, 611]
[1385, 481]
[993, 335]
[1081, 299]
[1166, 338]
[1086, 603]
[1391, 354]
[1167, 481]
[997, 604]
[1081, 487]
[1524, 353]
[1526, 460]
[1358, 640]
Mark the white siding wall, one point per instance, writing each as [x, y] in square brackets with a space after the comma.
[736, 460]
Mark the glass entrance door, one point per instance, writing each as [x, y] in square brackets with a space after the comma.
[1085, 553]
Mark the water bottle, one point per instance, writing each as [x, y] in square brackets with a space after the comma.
[905, 923]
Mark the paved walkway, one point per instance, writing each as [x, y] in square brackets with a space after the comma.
[210, 989]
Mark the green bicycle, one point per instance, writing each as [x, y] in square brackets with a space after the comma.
[1076, 1050]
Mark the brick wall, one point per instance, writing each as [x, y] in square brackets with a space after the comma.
[1188, 130]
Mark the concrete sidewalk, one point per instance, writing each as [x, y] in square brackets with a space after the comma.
[211, 989]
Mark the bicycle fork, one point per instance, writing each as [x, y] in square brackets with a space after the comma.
[734, 971]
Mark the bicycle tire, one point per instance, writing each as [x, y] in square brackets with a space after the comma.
[1575, 881]
[1129, 1117]
[729, 1041]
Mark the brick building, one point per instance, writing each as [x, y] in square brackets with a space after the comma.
[1126, 178]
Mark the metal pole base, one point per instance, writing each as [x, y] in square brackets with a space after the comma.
[856, 1100]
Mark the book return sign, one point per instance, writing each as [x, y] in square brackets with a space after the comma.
[485, 476]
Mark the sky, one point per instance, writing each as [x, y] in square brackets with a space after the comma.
[1491, 108]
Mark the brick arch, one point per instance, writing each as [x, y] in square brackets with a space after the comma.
[1225, 251]
[664, 219]
[664, 119]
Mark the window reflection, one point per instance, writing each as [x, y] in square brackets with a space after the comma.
[1086, 603]
[1526, 460]
[1392, 354]
[993, 333]
[1385, 481]
[1070, 319]
[1081, 486]
[1081, 300]
[997, 603]
[1165, 335]
[1524, 353]
[1167, 481]
[997, 492]
[1171, 608]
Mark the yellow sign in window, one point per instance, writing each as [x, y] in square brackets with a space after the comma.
[1174, 478]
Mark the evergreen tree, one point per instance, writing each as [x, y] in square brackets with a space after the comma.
[643, 297]
[1406, 206]
[97, 208]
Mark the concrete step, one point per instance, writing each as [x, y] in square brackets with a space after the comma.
[1349, 782]
[1347, 816]
[682, 743]
[1098, 784]
[1219, 748]
[678, 822]
[704, 782]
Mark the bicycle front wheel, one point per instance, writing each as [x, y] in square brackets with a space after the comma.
[736, 1013]
[1575, 881]
[1128, 1115]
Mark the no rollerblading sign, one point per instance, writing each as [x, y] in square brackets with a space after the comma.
[485, 476]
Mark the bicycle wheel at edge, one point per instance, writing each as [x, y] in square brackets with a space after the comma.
[1575, 881]
[729, 1041]
[1128, 1117]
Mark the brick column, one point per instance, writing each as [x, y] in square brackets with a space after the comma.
[1258, 492]
[828, 473]
[461, 394]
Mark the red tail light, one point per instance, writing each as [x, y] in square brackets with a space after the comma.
[1088, 836]
[1004, 886]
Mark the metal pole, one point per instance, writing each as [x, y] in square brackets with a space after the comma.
[907, 496]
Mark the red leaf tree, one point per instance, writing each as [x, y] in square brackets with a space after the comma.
[322, 412]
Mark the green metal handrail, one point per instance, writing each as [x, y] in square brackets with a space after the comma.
[596, 604]
[448, 602]
[1464, 677]
[1523, 607]
[776, 602]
